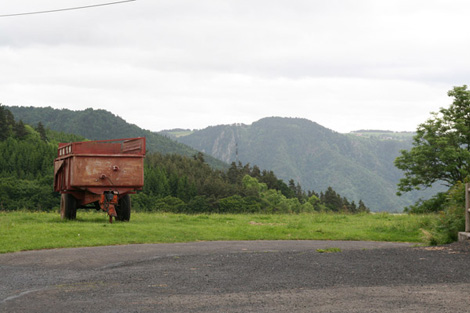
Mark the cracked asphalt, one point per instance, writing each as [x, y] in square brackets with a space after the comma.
[239, 276]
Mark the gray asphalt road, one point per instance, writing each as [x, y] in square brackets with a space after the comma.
[255, 276]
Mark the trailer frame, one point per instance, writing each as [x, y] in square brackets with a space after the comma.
[99, 174]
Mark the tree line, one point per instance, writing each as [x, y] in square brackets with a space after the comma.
[97, 124]
[26, 164]
[173, 183]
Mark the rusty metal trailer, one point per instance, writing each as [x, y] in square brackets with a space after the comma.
[99, 174]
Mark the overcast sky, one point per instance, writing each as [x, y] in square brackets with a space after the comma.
[347, 65]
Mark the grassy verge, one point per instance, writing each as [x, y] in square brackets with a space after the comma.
[30, 231]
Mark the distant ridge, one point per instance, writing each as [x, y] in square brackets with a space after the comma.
[316, 157]
[357, 167]
[101, 124]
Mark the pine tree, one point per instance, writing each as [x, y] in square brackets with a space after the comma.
[20, 130]
[362, 207]
[332, 200]
[199, 157]
[42, 132]
[4, 127]
[233, 174]
[292, 186]
[256, 172]
[269, 179]
[353, 207]
[346, 205]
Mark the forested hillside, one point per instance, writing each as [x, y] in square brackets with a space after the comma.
[101, 124]
[173, 183]
[316, 157]
[26, 164]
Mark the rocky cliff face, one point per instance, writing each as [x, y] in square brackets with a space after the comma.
[225, 145]
[314, 156]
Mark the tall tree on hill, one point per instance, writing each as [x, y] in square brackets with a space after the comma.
[20, 130]
[332, 200]
[292, 187]
[3, 125]
[7, 122]
[441, 147]
[42, 131]
[362, 207]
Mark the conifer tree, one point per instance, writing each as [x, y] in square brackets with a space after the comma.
[20, 130]
[42, 132]
[362, 207]
[4, 126]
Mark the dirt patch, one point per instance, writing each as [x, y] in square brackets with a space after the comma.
[459, 247]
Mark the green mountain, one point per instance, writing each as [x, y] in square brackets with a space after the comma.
[173, 183]
[101, 125]
[358, 167]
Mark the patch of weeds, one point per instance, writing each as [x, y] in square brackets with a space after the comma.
[265, 217]
[329, 250]
[294, 225]
[224, 219]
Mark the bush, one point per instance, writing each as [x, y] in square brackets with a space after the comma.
[451, 219]
[238, 204]
[200, 204]
[436, 204]
[35, 195]
[170, 204]
[143, 202]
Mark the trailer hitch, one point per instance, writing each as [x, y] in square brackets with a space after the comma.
[108, 202]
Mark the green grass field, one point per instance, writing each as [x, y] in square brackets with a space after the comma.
[31, 231]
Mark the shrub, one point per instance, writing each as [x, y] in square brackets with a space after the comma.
[436, 204]
[451, 219]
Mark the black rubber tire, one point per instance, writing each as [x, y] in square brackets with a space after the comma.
[68, 207]
[123, 209]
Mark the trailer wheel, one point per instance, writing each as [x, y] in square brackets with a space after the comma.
[123, 209]
[68, 207]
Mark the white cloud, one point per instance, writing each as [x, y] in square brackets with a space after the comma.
[190, 64]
